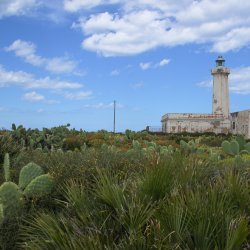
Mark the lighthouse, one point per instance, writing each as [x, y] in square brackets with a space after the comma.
[220, 88]
[220, 121]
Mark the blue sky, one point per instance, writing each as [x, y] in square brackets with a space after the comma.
[66, 61]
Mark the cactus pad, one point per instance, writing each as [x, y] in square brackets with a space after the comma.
[10, 198]
[247, 147]
[241, 141]
[6, 167]
[227, 147]
[28, 173]
[40, 186]
[235, 147]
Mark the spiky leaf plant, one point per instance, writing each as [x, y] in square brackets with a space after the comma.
[158, 182]
[135, 216]
[237, 233]
[51, 231]
[109, 191]
[28, 173]
[1, 213]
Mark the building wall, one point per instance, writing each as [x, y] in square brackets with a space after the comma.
[240, 123]
[194, 123]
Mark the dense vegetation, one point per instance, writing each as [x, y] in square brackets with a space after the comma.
[66, 189]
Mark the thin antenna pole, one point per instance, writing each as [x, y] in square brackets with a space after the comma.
[114, 116]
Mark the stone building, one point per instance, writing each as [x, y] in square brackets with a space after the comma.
[220, 121]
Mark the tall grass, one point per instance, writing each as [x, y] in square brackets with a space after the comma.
[106, 200]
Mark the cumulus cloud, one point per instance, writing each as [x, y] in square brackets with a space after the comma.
[78, 95]
[16, 7]
[102, 105]
[137, 85]
[40, 111]
[33, 97]
[137, 26]
[115, 72]
[142, 25]
[164, 62]
[145, 66]
[239, 81]
[76, 5]
[150, 65]
[36, 97]
[26, 80]
[27, 51]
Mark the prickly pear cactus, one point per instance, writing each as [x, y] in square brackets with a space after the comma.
[247, 147]
[28, 173]
[226, 146]
[39, 187]
[235, 147]
[11, 199]
[6, 167]
[241, 141]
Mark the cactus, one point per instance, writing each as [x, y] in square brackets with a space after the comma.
[28, 173]
[189, 147]
[6, 167]
[32, 184]
[11, 199]
[239, 162]
[184, 146]
[247, 147]
[241, 141]
[226, 146]
[39, 186]
[236, 147]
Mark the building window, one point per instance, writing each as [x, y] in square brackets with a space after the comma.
[233, 125]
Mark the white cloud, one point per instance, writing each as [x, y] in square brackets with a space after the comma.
[233, 40]
[16, 7]
[164, 62]
[239, 81]
[145, 66]
[27, 51]
[78, 95]
[137, 26]
[102, 105]
[33, 97]
[40, 111]
[137, 85]
[76, 5]
[115, 72]
[150, 65]
[142, 25]
[26, 80]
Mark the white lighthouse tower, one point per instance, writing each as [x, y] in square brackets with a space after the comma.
[220, 88]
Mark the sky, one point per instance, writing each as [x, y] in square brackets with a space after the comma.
[66, 61]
